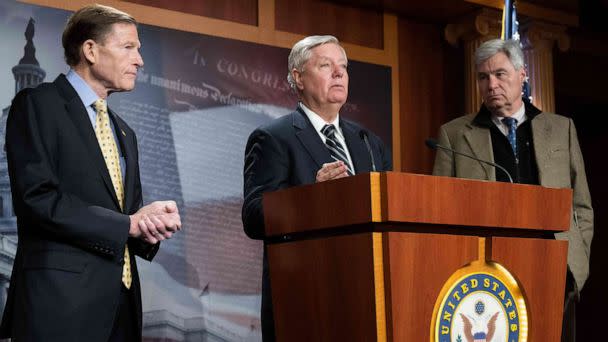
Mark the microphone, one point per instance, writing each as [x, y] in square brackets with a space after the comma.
[432, 143]
[363, 135]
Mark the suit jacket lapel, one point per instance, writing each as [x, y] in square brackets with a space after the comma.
[124, 136]
[308, 136]
[541, 134]
[480, 143]
[79, 116]
[356, 147]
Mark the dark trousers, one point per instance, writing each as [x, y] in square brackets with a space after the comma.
[267, 323]
[125, 322]
[267, 314]
[569, 318]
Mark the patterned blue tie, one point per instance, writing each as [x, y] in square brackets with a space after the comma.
[336, 150]
[512, 136]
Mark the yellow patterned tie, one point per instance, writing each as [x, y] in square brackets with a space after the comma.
[105, 137]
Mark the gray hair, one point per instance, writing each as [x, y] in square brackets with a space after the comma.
[300, 53]
[509, 47]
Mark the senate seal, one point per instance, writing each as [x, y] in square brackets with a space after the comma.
[481, 302]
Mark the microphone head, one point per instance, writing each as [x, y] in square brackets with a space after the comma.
[431, 143]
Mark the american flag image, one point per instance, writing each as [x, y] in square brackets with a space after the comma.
[510, 30]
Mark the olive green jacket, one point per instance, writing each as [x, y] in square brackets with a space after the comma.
[560, 165]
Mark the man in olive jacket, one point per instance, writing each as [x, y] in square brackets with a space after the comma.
[535, 147]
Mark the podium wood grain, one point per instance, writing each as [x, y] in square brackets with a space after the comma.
[323, 290]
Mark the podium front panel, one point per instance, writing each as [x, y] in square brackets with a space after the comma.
[324, 289]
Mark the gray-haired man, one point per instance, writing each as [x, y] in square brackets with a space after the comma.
[534, 146]
[312, 144]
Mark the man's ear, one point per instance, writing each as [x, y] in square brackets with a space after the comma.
[297, 77]
[90, 51]
[522, 75]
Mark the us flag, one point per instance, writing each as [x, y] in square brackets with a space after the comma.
[510, 30]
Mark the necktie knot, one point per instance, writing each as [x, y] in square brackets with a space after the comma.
[510, 122]
[100, 106]
[329, 131]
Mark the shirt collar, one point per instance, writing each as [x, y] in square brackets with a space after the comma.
[84, 91]
[484, 117]
[519, 115]
[317, 122]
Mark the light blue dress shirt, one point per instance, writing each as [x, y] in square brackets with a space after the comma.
[88, 98]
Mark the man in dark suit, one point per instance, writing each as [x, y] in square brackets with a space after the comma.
[535, 147]
[312, 144]
[75, 181]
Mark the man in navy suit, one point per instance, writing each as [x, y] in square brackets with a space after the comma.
[74, 172]
[312, 144]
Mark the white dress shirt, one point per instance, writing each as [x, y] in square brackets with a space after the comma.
[318, 123]
[519, 115]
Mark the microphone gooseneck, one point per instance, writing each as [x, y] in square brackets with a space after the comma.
[432, 143]
[363, 135]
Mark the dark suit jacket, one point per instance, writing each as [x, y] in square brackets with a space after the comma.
[66, 279]
[560, 165]
[286, 153]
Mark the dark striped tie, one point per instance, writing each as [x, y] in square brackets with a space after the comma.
[512, 136]
[336, 150]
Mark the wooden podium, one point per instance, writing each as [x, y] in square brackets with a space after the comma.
[365, 258]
